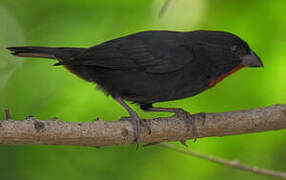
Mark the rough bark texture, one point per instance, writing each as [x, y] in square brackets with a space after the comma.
[100, 133]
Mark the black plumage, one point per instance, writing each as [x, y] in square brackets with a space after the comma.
[154, 66]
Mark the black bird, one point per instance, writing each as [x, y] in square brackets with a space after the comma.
[154, 66]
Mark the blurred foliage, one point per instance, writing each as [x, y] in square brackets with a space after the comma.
[35, 87]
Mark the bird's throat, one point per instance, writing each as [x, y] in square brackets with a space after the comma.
[213, 82]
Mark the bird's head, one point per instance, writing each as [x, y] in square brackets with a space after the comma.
[249, 58]
[228, 41]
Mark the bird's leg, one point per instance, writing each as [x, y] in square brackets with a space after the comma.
[135, 121]
[180, 113]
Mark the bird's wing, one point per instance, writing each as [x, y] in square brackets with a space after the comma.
[131, 54]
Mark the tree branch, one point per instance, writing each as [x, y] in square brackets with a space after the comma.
[99, 133]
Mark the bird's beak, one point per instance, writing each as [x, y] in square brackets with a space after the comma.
[252, 60]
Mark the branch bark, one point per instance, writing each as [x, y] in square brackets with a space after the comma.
[99, 133]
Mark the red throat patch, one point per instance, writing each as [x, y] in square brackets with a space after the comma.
[69, 69]
[213, 82]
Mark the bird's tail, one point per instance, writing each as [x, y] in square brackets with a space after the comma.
[46, 52]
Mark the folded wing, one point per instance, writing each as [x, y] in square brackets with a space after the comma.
[155, 54]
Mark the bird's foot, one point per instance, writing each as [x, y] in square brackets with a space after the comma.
[142, 122]
[136, 122]
[137, 128]
[191, 122]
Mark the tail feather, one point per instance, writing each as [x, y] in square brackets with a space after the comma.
[46, 52]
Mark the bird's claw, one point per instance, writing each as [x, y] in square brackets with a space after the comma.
[137, 129]
[136, 122]
[184, 143]
[191, 122]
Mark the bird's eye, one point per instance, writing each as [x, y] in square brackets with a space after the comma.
[240, 50]
[244, 49]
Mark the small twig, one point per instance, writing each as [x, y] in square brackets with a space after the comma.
[7, 114]
[165, 7]
[234, 164]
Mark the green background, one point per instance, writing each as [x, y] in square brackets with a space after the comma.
[35, 87]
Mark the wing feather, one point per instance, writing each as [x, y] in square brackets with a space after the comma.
[151, 53]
